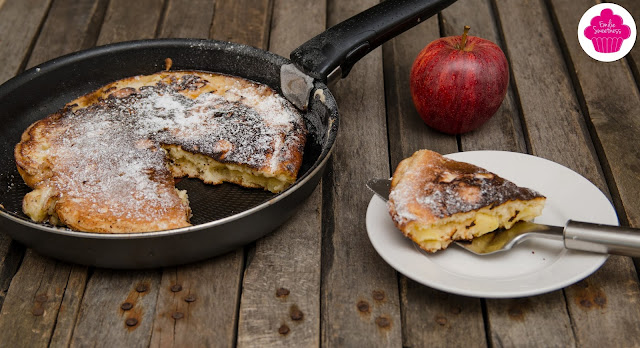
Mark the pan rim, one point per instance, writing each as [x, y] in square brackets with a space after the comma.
[68, 58]
[165, 233]
[44, 67]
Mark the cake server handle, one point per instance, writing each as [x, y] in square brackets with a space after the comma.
[603, 239]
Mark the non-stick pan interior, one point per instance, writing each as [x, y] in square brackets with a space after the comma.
[43, 90]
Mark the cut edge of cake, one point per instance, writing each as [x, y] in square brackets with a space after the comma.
[46, 204]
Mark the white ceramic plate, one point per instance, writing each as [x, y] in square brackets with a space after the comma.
[530, 268]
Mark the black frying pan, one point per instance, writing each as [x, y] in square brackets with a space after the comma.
[224, 216]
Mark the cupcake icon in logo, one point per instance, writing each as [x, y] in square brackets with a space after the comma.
[607, 32]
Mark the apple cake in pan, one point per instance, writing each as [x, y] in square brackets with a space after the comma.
[106, 162]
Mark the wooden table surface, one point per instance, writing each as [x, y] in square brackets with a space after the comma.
[317, 281]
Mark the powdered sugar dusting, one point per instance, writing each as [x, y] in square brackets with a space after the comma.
[398, 198]
[102, 164]
[108, 155]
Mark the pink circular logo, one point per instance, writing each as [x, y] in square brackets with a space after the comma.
[607, 32]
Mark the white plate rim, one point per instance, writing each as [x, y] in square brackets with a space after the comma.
[393, 247]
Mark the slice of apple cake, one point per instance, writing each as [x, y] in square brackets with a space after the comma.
[435, 200]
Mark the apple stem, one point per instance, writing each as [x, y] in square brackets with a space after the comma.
[464, 37]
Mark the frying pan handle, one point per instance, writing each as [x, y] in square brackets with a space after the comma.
[335, 51]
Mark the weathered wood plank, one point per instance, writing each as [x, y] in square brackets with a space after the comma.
[295, 22]
[539, 321]
[605, 307]
[130, 20]
[613, 112]
[32, 304]
[243, 22]
[612, 108]
[117, 310]
[429, 317]
[503, 131]
[407, 132]
[11, 254]
[280, 302]
[70, 26]
[352, 272]
[19, 24]
[633, 7]
[208, 320]
[101, 320]
[197, 304]
[436, 318]
[60, 34]
[557, 130]
[553, 120]
[187, 19]
[70, 306]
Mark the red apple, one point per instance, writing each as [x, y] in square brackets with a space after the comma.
[459, 82]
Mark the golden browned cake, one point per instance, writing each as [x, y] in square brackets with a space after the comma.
[106, 162]
[435, 200]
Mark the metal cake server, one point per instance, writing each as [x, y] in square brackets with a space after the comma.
[584, 236]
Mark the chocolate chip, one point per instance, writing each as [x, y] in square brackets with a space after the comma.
[363, 306]
[383, 322]
[283, 330]
[586, 303]
[442, 321]
[296, 314]
[378, 295]
[282, 292]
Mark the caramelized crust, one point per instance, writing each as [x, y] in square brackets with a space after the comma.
[435, 200]
[106, 162]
